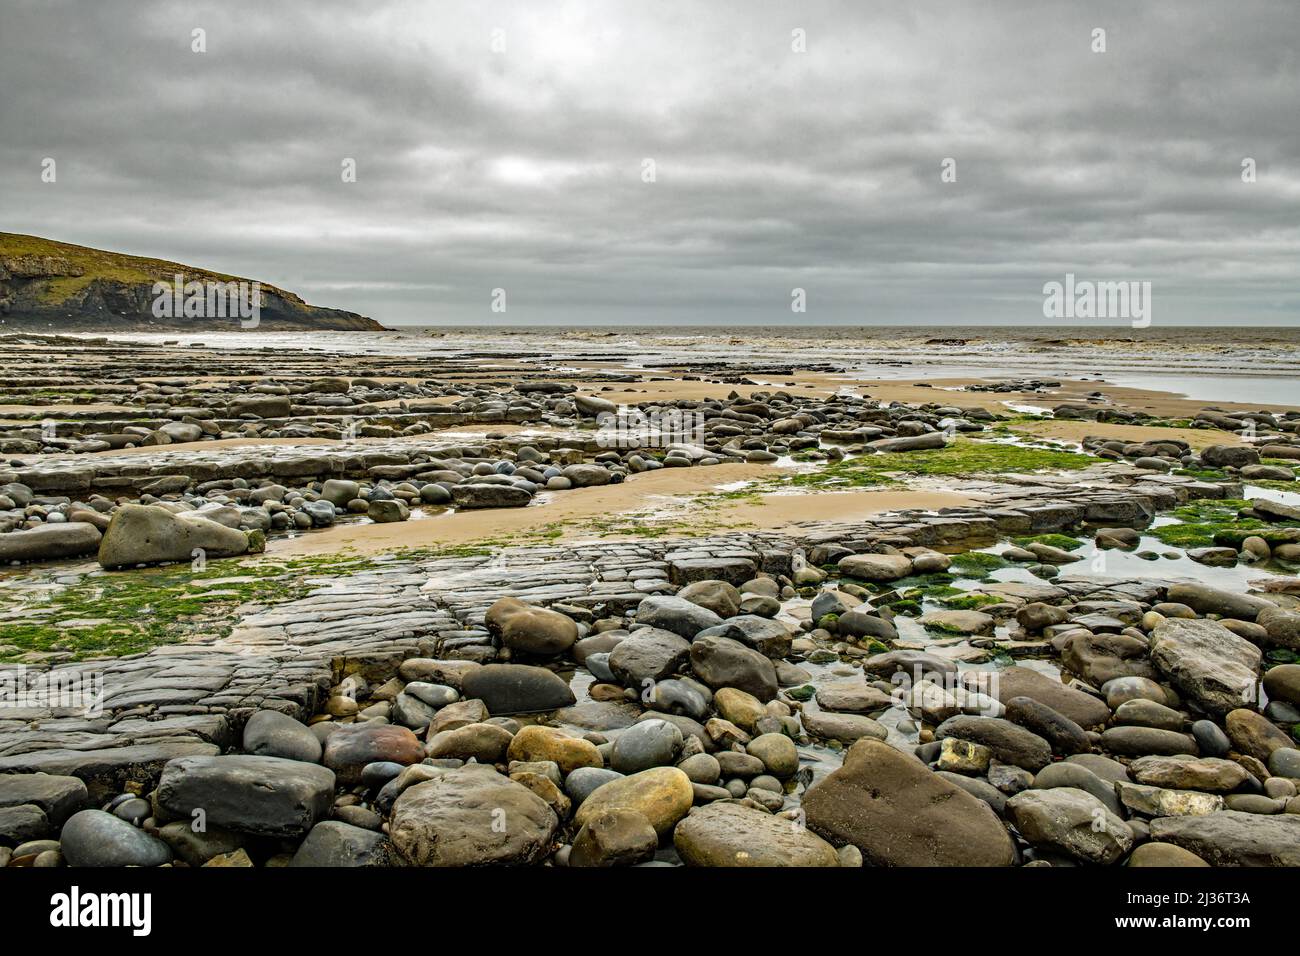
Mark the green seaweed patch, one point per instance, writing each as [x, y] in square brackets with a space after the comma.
[934, 591]
[1211, 509]
[979, 562]
[1187, 535]
[940, 628]
[923, 582]
[906, 606]
[971, 602]
[1232, 537]
[1202, 474]
[109, 614]
[964, 456]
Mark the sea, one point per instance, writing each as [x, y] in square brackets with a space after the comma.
[1203, 363]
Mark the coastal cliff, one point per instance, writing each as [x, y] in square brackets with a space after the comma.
[45, 283]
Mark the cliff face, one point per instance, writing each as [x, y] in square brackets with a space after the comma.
[44, 283]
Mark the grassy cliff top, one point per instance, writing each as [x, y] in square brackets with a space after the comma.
[78, 266]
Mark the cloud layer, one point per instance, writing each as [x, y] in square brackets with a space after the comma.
[503, 144]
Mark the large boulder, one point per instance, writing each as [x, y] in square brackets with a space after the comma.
[1209, 600]
[1254, 734]
[490, 496]
[899, 813]
[260, 406]
[1099, 658]
[909, 442]
[646, 744]
[1009, 742]
[536, 743]
[729, 834]
[682, 617]
[1071, 821]
[349, 748]
[876, 567]
[1084, 709]
[333, 843]
[863, 622]
[49, 542]
[270, 733]
[717, 596]
[471, 816]
[486, 743]
[1282, 626]
[97, 838]
[1234, 456]
[588, 475]
[1283, 683]
[768, 637]
[846, 728]
[339, 491]
[1189, 773]
[1207, 662]
[150, 534]
[722, 662]
[266, 796]
[516, 688]
[614, 838]
[662, 795]
[649, 654]
[533, 630]
[1065, 736]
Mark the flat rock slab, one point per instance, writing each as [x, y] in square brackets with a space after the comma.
[58, 797]
[110, 767]
[1207, 662]
[1233, 838]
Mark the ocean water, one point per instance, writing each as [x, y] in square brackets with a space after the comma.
[1208, 364]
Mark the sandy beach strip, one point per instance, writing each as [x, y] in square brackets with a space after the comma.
[668, 495]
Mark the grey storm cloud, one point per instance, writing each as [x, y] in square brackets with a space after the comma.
[501, 145]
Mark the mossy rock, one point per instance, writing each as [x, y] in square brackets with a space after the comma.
[970, 602]
[979, 562]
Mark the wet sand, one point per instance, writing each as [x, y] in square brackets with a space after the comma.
[939, 391]
[1076, 431]
[667, 496]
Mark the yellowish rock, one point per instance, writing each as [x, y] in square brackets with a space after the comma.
[741, 708]
[535, 743]
[663, 795]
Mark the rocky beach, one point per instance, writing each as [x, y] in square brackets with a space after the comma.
[400, 599]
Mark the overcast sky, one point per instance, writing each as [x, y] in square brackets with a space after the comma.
[522, 168]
